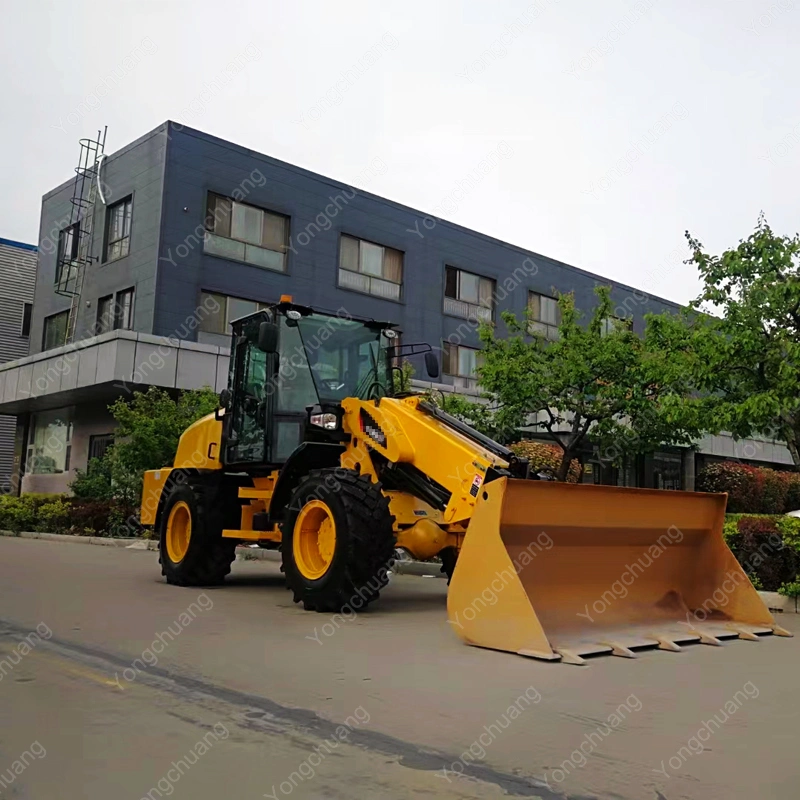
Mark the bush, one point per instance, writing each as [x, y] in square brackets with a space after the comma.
[763, 553]
[751, 490]
[59, 514]
[53, 517]
[546, 458]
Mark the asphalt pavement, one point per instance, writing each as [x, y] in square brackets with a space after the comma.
[115, 685]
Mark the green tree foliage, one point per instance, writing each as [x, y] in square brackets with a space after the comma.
[149, 426]
[743, 348]
[599, 380]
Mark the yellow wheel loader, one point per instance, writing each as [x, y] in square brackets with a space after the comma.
[314, 453]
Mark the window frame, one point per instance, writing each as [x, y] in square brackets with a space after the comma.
[74, 230]
[25, 322]
[119, 323]
[67, 413]
[549, 327]
[472, 308]
[51, 317]
[259, 306]
[469, 381]
[210, 222]
[100, 328]
[94, 438]
[607, 326]
[107, 241]
[368, 275]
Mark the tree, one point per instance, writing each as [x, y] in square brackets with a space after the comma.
[742, 345]
[149, 426]
[599, 381]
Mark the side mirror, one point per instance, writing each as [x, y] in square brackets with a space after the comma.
[268, 337]
[224, 398]
[432, 365]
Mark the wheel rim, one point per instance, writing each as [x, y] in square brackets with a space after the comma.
[314, 540]
[179, 531]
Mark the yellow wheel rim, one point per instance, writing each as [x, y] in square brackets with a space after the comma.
[314, 540]
[179, 531]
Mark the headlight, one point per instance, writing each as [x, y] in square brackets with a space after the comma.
[327, 421]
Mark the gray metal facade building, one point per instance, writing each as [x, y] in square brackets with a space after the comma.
[17, 284]
[195, 231]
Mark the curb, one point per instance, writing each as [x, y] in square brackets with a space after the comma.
[243, 552]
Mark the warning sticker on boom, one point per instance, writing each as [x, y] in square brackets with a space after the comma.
[476, 485]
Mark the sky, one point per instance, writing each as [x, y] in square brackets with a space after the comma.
[616, 125]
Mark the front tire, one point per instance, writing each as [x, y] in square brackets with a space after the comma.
[192, 550]
[338, 541]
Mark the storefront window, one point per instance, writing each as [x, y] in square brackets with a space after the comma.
[667, 471]
[49, 442]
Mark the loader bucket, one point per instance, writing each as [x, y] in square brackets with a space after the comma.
[560, 571]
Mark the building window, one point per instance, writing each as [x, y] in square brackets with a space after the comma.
[118, 229]
[55, 330]
[27, 311]
[105, 314]
[246, 233]
[370, 268]
[67, 261]
[468, 296]
[123, 310]
[112, 316]
[221, 310]
[610, 324]
[98, 445]
[461, 363]
[544, 316]
[49, 442]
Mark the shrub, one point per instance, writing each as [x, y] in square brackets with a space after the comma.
[738, 480]
[761, 552]
[546, 458]
[751, 490]
[90, 517]
[775, 489]
[54, 516]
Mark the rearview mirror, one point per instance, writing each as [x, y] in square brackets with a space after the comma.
[268, 337]
[432, 365]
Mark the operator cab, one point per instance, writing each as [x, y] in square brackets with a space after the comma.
[287, 362]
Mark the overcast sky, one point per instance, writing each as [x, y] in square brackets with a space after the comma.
[620, 124]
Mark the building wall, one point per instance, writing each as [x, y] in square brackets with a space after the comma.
[198, 163]
[17, 279]
[137, 170]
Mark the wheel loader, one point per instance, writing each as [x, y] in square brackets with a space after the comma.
[315, 452]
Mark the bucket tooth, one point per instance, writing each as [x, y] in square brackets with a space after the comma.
[618, 649]
[707, 638]
[778, 631]
[570, 657]
[665, 643]
[743, 632]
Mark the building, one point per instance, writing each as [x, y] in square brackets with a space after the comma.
[186, 231]
[18, 279]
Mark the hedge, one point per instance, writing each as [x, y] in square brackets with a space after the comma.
[752, 490]
[546, 457]
[50, 513]
[767, 547]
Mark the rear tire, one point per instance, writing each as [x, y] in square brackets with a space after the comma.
[203, 558]
[350, 564]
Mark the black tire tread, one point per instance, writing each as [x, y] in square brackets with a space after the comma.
[370, 550]
[211, 563]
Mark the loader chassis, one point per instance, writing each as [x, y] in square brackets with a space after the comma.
[312, 453]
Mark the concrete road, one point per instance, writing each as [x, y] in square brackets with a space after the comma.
[115, 685]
